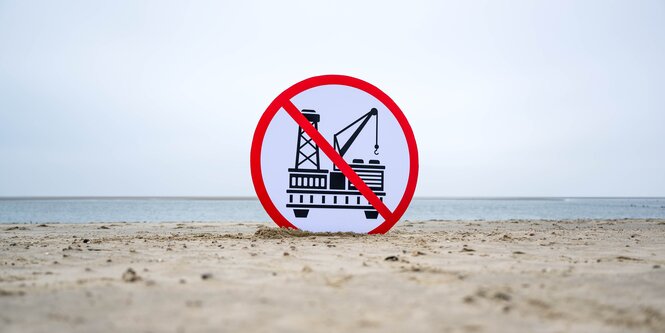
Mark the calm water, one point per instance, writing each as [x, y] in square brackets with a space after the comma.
[161, 209]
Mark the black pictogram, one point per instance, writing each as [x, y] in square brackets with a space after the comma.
[311, 187]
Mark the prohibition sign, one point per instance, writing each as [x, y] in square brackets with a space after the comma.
[284, 101]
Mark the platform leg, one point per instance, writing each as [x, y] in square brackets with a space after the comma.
[301, 212]
[371, 214]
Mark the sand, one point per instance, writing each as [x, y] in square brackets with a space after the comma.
[434, 276]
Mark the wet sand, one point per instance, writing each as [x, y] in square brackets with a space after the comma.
[434, 276]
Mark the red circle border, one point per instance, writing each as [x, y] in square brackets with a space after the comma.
[316, 81]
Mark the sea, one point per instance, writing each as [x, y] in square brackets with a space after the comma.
[85, 210]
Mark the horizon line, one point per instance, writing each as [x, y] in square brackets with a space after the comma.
[433, 197]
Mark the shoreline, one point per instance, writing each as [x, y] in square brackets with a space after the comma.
[250, 197]
[423, 276]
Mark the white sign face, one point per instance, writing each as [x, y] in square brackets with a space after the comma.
[333, 157]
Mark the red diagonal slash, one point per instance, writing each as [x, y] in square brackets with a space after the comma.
[327, 149]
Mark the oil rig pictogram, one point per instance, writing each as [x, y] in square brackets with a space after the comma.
[311, 187]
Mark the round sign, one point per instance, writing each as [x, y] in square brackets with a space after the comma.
[334, 153]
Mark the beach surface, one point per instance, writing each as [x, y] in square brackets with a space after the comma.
[433, 276]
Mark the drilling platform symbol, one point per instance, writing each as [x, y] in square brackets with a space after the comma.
[311, 187]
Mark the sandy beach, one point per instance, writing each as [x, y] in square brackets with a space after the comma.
[434, 276]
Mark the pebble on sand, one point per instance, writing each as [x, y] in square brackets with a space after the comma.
[130, 276]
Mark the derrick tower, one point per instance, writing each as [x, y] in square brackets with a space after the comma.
[307, 154]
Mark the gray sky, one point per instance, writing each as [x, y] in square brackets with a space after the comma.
[516, 98]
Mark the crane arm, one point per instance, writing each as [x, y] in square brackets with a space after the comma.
[364, 119]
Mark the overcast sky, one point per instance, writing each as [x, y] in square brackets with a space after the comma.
[506, 98]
